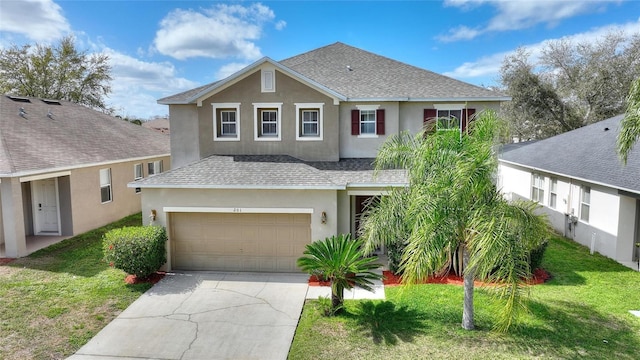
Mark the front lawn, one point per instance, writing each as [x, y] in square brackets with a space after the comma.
[53, 301]
[583, 312]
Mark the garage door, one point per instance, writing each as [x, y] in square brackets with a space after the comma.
[238, 242]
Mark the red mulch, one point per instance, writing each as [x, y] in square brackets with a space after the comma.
[153, 278]
[4, 261]
[314, 281]
[539, 276]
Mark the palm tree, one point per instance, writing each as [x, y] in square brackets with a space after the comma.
[630, 128]
[340, 260]
[452, 205]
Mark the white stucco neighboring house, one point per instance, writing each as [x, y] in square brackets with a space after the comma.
[586, 191]
[280, 153]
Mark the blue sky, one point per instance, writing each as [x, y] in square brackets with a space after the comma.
[159, 48]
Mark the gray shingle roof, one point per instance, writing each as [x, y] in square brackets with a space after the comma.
[373, 76]
[357, 74]
[73, 135]
[272, 172]
[587, 153]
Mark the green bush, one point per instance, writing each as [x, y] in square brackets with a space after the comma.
[535, 256]
[138, 250]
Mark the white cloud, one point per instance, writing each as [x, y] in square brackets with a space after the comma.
[514, 15]
[137, 84]
[489, 66]
[281, 25]
[223, 31]
[39, 20]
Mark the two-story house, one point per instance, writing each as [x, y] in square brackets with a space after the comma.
[280, 154]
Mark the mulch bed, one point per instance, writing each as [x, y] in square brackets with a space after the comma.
[152, 279]
[314, 281]
[4, 261]
[539, 276]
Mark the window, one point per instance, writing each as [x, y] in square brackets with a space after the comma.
[448, 117]
[537, 188]
[585, 203]
[553, 192]
[105, 185]
[155, 167]
[226, 121]
[267, 121]
[309, 121]
[367, 121]
[137, 172]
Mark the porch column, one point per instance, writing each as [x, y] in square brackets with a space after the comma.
[15, 241]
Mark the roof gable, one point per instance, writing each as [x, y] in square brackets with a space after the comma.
[588, 153]
[54, 134]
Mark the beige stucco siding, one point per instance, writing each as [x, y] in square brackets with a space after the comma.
[88, 211]
[366, 146]
[184, 134]
[242, 201]
[288, 92]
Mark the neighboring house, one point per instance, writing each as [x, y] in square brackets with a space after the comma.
[64, 169]
[585, 190]
[160, 125]
[280, 154]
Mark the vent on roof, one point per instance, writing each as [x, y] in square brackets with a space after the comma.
[19, 99]
[51, 102]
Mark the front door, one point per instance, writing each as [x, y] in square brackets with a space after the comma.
[45, 207]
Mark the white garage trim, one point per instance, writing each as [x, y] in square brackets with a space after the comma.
[239, 210]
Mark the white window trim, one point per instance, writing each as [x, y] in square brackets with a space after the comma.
[135, 173]
[582, 192]
[449, 106]
[220, 137]
[109, 184]
[158, 167]
[368, 107]
[539, 187]
[310, 106]
[553, 192]
[256, 121]
[268, 79]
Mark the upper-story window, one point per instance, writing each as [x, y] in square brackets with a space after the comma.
[105, 185]
[367, 121]
[138, 173]
[447, 117]
[267, 121]
[309, 119]
[226, 121]
[585, 203]
[537, 188]
[155, 167]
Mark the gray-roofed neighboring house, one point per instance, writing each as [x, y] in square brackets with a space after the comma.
[588, 194]
[280, 153]
[64, 169]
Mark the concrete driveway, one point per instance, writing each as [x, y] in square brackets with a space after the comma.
[202, 315]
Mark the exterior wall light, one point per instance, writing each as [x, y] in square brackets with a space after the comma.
[323, 217]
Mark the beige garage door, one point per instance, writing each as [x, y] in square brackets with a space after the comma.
[238, 242]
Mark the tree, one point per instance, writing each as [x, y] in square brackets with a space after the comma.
[630, 126]
[452, 204]
[571, 85]
[340, 260]
[59, 72]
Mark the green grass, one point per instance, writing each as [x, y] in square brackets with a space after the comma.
[581, 313]
[53, 301]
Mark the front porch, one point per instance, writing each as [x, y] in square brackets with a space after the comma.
[35, 243]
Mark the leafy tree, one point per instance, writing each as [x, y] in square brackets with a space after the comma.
[451, 205]
[340, 260]
[630, 127]
[58, 72]
[571, 85]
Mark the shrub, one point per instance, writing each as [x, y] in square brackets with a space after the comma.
[137, 250]
[394, 254]
[535, 256]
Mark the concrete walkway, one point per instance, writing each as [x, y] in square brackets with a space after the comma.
[202, 315]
